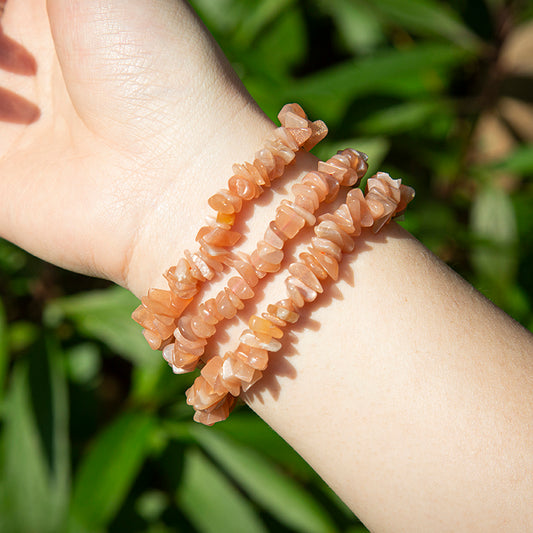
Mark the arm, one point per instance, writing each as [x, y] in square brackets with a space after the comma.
[402, 381]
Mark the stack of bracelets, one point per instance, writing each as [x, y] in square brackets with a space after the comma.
[182, 338]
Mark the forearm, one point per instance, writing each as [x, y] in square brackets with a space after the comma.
[404, 388]
[411, 395]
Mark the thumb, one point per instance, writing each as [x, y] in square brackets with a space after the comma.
[130, 63]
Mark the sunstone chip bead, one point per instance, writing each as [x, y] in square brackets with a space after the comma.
[256, 358]
[313, 265]
[284, 310]
[261, 325]
[306, 275]
[217, 413]
[259, 340]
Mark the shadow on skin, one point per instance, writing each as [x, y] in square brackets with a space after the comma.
[280, 365]
[16, 59]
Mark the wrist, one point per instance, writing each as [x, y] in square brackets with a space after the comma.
[180, 203]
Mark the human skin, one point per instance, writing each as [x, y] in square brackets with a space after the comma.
[405, 389]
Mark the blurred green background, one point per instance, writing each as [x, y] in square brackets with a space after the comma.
[94, 431]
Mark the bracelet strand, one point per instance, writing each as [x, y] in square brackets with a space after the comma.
[346, 168]
[214, 392]
[160, 309]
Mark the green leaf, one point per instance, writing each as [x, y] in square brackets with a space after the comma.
[49, 394]
[211, 502]
[332, 90]
[520, 161]
[357, 24]
[4, 353]
[494, 225]
[24, 495]
[403, 117]
[427, 17]
[105, 315]
[108, 470]
[258, 18]
[277, 493]
[249, 430]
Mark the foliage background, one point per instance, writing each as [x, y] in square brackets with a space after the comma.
[94, 432]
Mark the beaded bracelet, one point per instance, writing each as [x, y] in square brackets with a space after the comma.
[221, 380]
[160, 309]
[183, 338]
[190, 336]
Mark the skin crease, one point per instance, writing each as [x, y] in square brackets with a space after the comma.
[407, 391]
[16, 59]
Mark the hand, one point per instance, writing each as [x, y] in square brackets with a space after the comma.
[140, 116]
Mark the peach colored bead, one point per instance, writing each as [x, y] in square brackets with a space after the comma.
[262, 325]
[259, 340]
[318, 131]
[299, 292]
[306, 215]
[163, 302]
[243, 266]
[216, 253]
[226, 218]
[182, 358]
[211, 372]
[358, 208]
[300, 135]
[328, 263]
[333, 187]
[305, 274]
[305, 203]
[327, 247]
[201, 328]
[212, 262]
[261, 266]
[221, 412]
[313, 265]
[266, 158]
[153, 339]
[201, 395]
[195, 271]
[186, 334]
[257, 375]
[242, 370]
[294, 109]
[274, 236]
[221, 204]
[225, 306]
[263, 172]
[284, 310]
[269, 253]
[406, 195]
[341, 217]
[280, 150]
[330, 231]
[228, 373]
[288, 222]
[234, 299]
[274, 319]
[244, 187]
[283, 136]
[239, 286]
[317, 183]
[301, 189]
[220, 237]
[212, 307]
[253, 357]
[292, 120]
[260, 178]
